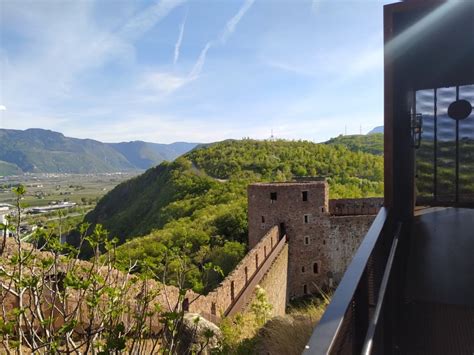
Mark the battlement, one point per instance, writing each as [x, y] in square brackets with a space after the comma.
[355, 206]
[235, 292]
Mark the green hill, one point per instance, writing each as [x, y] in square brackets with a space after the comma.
[44, 151]
[9, 169]
[198, 203]
[370, 143]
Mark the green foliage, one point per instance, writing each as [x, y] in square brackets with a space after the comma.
[369, 143]
[260, 307]
[198, 203]
[106, 312]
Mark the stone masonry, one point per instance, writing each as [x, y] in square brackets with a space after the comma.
[322, 235]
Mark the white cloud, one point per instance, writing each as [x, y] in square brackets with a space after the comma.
[72, 42]
[3, 108]
[163, 82]
[234, 21]
[228, 31]
[147, 19]
[340, 65]
[197, 68]
[177, 46]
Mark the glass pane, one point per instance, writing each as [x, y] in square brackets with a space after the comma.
[466, 149]
[446, 147]
[425, 153]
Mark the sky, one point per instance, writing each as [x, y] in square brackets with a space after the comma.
[197, 71]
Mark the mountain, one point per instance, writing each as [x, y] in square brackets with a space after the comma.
[378, 129]
[39, 150]
[198, 203]
[138, 205]
[369, 143]
[145, 155]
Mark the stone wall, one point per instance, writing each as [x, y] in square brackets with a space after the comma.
[355, 206]
[275, 283]
[217, 302]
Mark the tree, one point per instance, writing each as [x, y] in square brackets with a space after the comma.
[51, 302]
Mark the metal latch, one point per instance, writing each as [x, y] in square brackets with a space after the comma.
[416, 129]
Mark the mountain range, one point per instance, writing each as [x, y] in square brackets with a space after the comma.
[43, 151]
[37, 150]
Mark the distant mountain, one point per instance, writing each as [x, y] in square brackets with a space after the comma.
[378, 129]
[145, 155]
[39, 150]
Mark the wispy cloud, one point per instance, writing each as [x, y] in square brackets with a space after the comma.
[3, 108]
[234, 21]
[228, 31]
[177, 46]
[163, 82]
[197, 68]
[148, 18]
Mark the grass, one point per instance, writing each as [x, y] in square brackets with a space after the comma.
[280, 335]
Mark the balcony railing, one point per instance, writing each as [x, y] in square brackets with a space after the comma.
[354, 320]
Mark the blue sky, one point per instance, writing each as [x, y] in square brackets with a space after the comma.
[202, 70]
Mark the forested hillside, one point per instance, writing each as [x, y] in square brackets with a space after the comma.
[369, 143]
[198, 203]
[44, 151]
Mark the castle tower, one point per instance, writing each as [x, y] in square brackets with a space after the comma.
[301, 210]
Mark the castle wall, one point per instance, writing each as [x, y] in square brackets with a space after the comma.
[215, 303]
[321, 241]
[345, 236]
[275, 284]
[355, 206]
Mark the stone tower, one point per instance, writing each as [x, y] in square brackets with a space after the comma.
[320, 244]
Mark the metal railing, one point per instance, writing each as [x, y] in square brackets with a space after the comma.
[353, 321]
